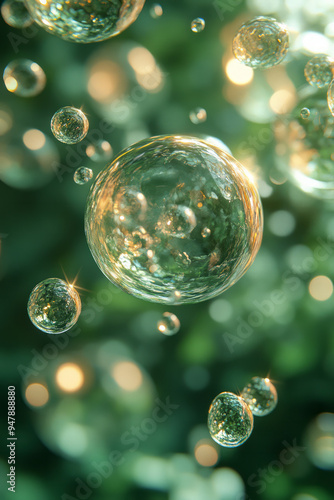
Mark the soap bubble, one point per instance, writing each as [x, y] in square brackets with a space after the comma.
[85, 22]
[147, 209]
[156, 11]
[15, 14]
[100, 151]
[197, 25]
[69, 125]
[305, 113]
[82, 175]
[261, 43]
[305, 147]
[24, 78]
[198, 115]
[230, 421]
[330, 97]
[54, 306]
[169, 324]
[206, 232]
[260, 395]
[319, 71]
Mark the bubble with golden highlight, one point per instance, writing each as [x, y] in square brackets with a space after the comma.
[260, 395]
[54, 306]
[69, 125]
[15, 14]
[230, 421]
[262, 42]
[24, 78]
[82, 175]
[146, 212]
[198, 115]
[319, 71]
[169, 324]
[197, 25]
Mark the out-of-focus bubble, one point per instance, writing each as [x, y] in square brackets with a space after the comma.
[230, 421]
[54, 306]
[197, 25]
[220, 310]
[99, 151]
[330, 97]
[305, 113]
[319, 71]
[169, 324]
[281, 223]
[156, 11]
[147, 210]
[320, 441]
[82, 175]
[227, 484]
[6, 119]
[260, 395]
[320, 288]
[70, 377]
[205, 453]
[305, 147]
[85, 22]
[238, 73]
[69, 125]
[198, 115]
[262, 42]
[34, 139]
[36, 395]
[15, 14]
[127, 375]
[24, 78]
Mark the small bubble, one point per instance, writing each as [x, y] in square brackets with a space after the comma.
[15, 14]
[305, 113]
[69, 125]
[330, 97]
[198, 115]
[206, 232]
[319, 71]
[261, 43]
[178, 221]
[82, 175]
[197, 25]
[156, 11]
[260, 395]
[100, 151]
[24, 78]
[169, 324]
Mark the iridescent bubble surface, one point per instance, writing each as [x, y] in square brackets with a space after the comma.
[169, 324]
[146, 212]
[85, 21]
[260, 395]
[330, 97]
[262, 42]
[198, 115]
[197, 25]
[24, 78]
[15, 14]
[69, 125]
[54, 306]
[230, 421]
[319, 71]
[99, 151]
[82, 175]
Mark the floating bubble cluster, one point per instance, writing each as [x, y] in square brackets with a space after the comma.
[15, 14]
[82, 175]
[197, 25]
[24, 78]
[330, 97]
[146, 213]
[69, 125]
[54, 306]
[99, 151]
[198, 115]
[169, 324]
[262, 42]
[260, 395]
[319, 71]
[82, 21]
[230, 421]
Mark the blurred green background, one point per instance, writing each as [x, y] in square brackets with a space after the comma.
[269, 323]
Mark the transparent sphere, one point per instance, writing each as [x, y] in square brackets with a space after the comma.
[305, 113]
[69, 125]
[82, 175]
[54, 306]
[146, 212]
[261, 43]
[24, 78]
[169, 324]
[230, 420]
[197, 25]
[85, 21]
[100, 151]
[260, 395]
[319, 71]
[304, 146]
[15, 14]
[198, 115]
[330, 97]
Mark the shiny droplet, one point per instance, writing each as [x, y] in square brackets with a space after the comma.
[24, 78]
[206, 232]
[146, 212]
[261, 43]
[198, 115]
[230, 421]
[100, 151]
[85, 22]
[82, 175]
[54, 306]
[305, 113]
[330, 97]
[319, 71]
[15, 14]
[197, 25]
[169, 324]
[69, 125]
[260, 395]
[156, 11]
